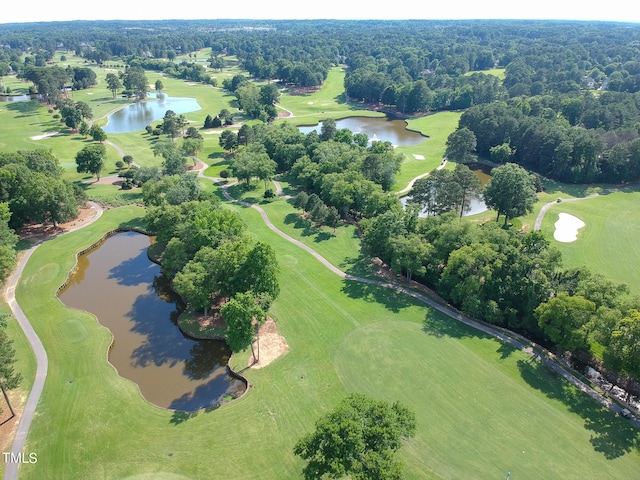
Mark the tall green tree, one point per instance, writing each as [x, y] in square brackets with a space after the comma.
[460, 144]
[357, 440]
[113, 83]
[564, 320]
[470, 186]
[9, 378]
[91, 159]
[511, 191]
[8, 241]
[239, 313]
[622, 354]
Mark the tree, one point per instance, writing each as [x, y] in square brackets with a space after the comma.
[564, 320]
[436, 193]
[8, 240]
[159, 86]
[622, 354]
[228, 140]
[511, 191]
[357, 440]
[97, 134]
[460, 144]
[239, 314]
[191, 146]
[328, 129]
[91, 159]
[470, 186]
[113, 83]
[136, 83]
[410, 253]
[192, 283]
[9, 378]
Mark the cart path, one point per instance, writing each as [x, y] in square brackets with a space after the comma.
[538, 223]
[512, 339]
[42, 361]
[409, 186]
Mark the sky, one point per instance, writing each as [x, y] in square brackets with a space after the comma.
[611, 10]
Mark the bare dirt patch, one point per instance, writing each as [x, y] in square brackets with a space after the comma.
[272, 345]
[8, 425]
[40, 231]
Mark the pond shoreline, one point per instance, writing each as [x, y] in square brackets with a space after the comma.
[188, 334]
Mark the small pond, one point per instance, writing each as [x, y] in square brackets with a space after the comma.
[138, 115]
[127, 293]
[382, 129]
[476, 205]
[16, 98]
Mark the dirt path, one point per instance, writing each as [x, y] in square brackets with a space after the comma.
[511, 338]
[42, 362]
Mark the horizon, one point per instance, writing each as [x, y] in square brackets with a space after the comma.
[119, 10]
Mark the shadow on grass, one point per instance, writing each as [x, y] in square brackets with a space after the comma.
[26, 108]
[392, 300]
[300, 223]
[439, 325]
[180, 417]
[612, 436]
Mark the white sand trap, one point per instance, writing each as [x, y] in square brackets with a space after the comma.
[567, 228]
[418, 157]
[44, 135]
[309, 103]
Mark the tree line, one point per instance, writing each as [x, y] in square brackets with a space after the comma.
[385, 59]
[573, 139]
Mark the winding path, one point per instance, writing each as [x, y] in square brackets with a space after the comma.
[42, 361]
[511, 338]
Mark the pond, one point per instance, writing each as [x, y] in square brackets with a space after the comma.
[476, 205]
[382, 129]
[138, 115]
[17, 98]
[127, 293]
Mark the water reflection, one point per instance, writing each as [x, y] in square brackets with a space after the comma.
[476, 204]
[117, 283]
[382, 129]
[138, 115]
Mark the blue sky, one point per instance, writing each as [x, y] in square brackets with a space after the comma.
[615, 10]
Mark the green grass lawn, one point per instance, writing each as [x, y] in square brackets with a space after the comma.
[607, 244]
[479, 404]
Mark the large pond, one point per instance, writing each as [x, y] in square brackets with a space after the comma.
[127, 293]
[382, 129]
[138, 115]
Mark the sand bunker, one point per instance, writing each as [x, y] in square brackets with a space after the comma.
[418, 157]
[44, 135]
[567, 228]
